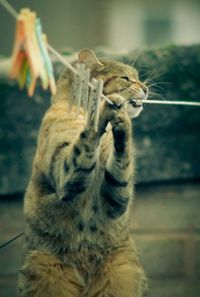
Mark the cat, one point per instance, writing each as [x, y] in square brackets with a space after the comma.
[77, 203]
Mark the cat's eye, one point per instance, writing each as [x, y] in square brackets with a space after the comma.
[125, 78]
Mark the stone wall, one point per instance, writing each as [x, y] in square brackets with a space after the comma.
[167, 137]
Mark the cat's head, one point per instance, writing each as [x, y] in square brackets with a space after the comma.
[118, 78]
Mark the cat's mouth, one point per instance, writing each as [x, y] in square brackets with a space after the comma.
[134, 108]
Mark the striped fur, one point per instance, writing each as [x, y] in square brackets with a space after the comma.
[78, 199]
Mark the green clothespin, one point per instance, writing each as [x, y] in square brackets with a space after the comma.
[23, 73]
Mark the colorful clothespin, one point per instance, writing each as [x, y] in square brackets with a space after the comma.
[42, 40]
[30, 55]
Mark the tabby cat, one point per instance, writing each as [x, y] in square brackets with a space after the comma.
[77, 203]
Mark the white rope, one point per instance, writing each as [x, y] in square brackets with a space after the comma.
[14, 13]
[62, 59]
[9, 8]
[189, 103]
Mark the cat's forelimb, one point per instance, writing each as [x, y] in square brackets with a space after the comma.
[81, 160]
[116, 189]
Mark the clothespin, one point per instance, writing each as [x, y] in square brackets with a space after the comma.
[18, 51]
[80, 88]
[85, 88]
[30, 55]
[94, 103]
[75, 87]
[80, 79]
[23, 76]
[90, 101]
[42, 41]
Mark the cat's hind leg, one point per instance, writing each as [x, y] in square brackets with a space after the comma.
[121, 276]
[43, 275]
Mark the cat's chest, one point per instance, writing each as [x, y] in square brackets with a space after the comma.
[89, 223]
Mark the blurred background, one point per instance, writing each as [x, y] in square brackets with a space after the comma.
[120, 25]
[162, 38]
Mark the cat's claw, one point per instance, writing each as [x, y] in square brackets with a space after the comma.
[117, 100]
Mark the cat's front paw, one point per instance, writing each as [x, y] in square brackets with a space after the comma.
[120, 122]
[118, 102]
[108, 111]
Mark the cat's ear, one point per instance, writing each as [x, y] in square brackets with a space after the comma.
[89, 58]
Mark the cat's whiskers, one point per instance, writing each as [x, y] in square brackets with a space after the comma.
[155, 85]
[157, 95]
[151, 78]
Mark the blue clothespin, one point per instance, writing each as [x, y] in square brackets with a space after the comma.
[46, 60]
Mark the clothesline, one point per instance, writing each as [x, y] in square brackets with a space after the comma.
[62, 59]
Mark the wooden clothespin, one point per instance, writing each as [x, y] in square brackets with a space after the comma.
[79, 91]
[94, 103]
[85, 88]
[80, 88]
[81, 96]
